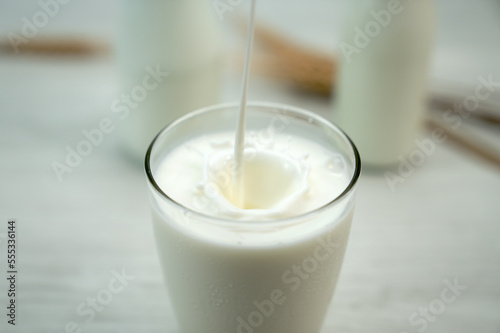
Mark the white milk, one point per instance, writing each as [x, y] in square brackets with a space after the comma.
[226, 279]
[239, 139]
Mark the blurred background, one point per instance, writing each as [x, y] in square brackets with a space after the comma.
[81, 220]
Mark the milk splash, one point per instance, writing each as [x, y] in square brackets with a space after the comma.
[274, 183]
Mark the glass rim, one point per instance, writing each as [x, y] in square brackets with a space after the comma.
[269, 105]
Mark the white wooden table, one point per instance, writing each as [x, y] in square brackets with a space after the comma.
[441, 226]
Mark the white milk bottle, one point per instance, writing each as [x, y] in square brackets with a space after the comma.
[385, 55]
[169, 55]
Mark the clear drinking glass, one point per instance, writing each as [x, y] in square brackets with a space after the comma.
[279, 276]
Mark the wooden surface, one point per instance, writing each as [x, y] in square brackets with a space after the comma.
[440, 226]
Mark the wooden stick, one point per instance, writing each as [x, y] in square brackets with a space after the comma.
[466, 141]
[310, 70]
[58, 46]
[486, 112]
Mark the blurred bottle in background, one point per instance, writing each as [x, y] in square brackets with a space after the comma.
[385, 57]
[169, 56]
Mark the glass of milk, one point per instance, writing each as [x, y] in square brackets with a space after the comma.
[269, 264]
